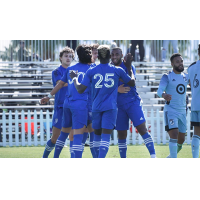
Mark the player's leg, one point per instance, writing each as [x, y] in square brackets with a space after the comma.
[108, 124]
[85, 135]
[57, 125]
[136, 115]
[181, 140]
[79, 119]
[122, 125]
[71, 138]
[195, 121]
[182, 127]
[66, 128]
[91, 131]
[171, 126]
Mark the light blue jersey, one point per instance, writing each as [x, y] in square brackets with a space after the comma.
[194, 77]
[175, 85]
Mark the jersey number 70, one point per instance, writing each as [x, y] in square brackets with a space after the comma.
[98, 84]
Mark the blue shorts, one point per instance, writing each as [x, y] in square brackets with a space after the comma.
[74, 118]
[132, 111]
[195, 118]
[57, 117]
[105, 119]
[175, 120]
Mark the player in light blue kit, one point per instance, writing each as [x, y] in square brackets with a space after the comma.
[129, 107]
[66, 57]
[104, 79]
[75, 105]
[175, 86]
[194, 77]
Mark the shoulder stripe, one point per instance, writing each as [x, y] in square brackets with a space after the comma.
[192, 64]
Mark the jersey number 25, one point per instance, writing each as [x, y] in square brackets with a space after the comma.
[98, 84]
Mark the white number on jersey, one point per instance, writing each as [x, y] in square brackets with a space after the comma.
[97, 85]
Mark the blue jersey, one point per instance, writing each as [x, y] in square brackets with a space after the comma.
[60, 95]
[104, 79]
[90, 93]
[73, 95]
[175, 85]
[194, 77]
[132, 95]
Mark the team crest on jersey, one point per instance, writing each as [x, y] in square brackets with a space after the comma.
[171, 121]
[185, 79]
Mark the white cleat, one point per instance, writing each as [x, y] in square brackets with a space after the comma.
[168, 156]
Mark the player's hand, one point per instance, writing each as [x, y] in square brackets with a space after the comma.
[167, 97]
[44, 100]
[73, 74]
[128, 60]
[122, 89]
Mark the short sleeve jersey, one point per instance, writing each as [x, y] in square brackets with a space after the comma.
[175, 85]
[73, 95]
[104, 79]
[60, 95]
[132, 95]
[194, 77]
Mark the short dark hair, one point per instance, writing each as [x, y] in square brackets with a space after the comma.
[115, 48]
[84, 53]
[66, 50]
[104, 52]
[174, 55]
[95, 46]
[199, 49]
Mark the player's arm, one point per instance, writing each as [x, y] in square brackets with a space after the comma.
[66, 84]
[122, 89]
[60, 84]
[79, 87]
[162, 86]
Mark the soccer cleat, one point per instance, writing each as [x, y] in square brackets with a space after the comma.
[168, 156]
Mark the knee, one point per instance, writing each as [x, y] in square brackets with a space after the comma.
[122, 135]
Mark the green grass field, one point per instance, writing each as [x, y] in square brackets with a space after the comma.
[134, 151]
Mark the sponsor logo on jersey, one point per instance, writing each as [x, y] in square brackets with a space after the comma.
[180, 89]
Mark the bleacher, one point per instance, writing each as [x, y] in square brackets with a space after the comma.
[22, 85]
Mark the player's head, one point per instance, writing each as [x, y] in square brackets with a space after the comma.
[94, 52]
[177, 62]
[84, 53]
[104, 53]
[116, 56]
[66, 56]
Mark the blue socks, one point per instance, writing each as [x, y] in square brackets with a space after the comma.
[195, 146]
[173, 148]
[48, 148]
[77, 145]
[122, 148]
[149, 144]
[92, 145]
[60, 144]
[104, 145]
[71, 150]
[97, 141]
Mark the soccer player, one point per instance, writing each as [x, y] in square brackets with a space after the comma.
[129, 107]
[174, 83]
[66, 57]
[104, 79]
[75, 109]
[194, 77]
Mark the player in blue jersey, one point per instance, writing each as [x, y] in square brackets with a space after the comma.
[129, 107]
[89, 122]
[66, 57]
[194, 77]
[104, 79]
[172, 88]
[75, 109]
